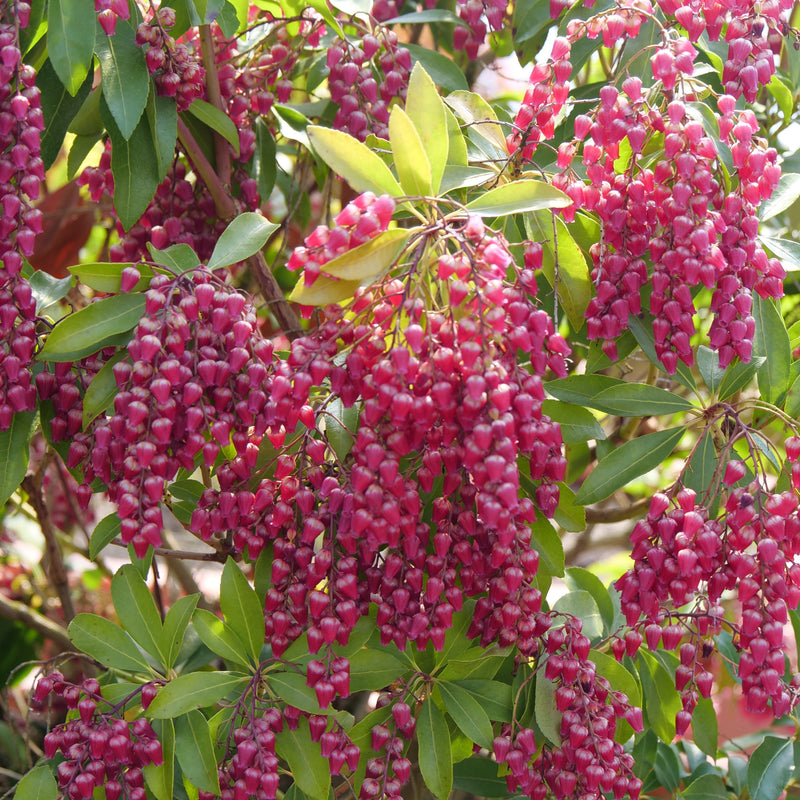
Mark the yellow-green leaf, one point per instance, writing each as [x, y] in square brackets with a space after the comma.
[518, 196]
[371, 259]
[323, 291]
[426, 110]
[410, 159]
[435, 756]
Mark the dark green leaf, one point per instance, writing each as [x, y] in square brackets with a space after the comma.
[219, 638]
[228, 20]
[292, 123]
[90, 329]
[292, 689]
[494, 696]
[195, 751]
[341, 425]
[581, 390]
[70, 40]
[14, 448]
[702, 465]
[569, 515]
[310, 770]
[661, 699]
[134, 165]
[242, 609]
[706, 787]
[126, 81]
[518, 196]
[442, 69]
[787, 250]
[704, 727]
[435, 757]
[175, 624]
[38, 784]
[467, 713]
[264, 165]
[475, 663]
[81, 147]
[644, 336]
[640, 400]
[58, 108]
[107, 276]
[137, 611]
[103, 534]
[246, 235]
[578, 578]
[160, 778]
[577, 423]
[621, 680]
[189, 490]
[162, 118]
[102, 390]
[772, 342]
[667, 767]
[738, 375]
[627, 462]
[107, 643]
[708, 364]
[478, 777]
[194, 690]
[770, 769]
[373, 669]
[177, 257]
[218, 121]
[547, 543]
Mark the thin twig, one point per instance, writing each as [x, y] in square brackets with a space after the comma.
[221, 147]
[19, 612]
[189, 555]
[617, 513]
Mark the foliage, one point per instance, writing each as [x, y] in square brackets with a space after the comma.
[379, 345]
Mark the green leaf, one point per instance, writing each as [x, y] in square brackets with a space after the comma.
[373, 669]
[792, 406]
[134, 165]
[242, 609]
[195, 751]
[246, 235]
[175, 625]
[341, 425]
[309, 769]
[706, 787]
[581, 390]
[738, 375]
[14, 449]
[103, 534]
[627, 462]
[561, 251]
[194, 690]
[102, 390]
[126, 81]
[661, 699]
[467, 713]
[137, 611]
[477, 777]
[38, 784]
[578, 424]
[495, 697]
[355, 162]
[410, 159]
[58, 108]
[518, 196]
[429, 15]
[787, 250]
[107, 277]
[708, 364]
[702, 465]
[621, 680]
[582, 605]
[435, 757]
[177, 257]
[705, 730]
[80, 149]
[70, 40]
[772, 342]
[547, 543]
[645, 339]
[442, 69]
[770, 768]
[640, 400]
[219, 638]
[456, 144]
[264, 165]
[47, 289]
[426, 110]
[161, 778]
[292, 123]
[107, 643]
[784, 196]
[162, 118]
[323, 291]
[578, 578]
[548, 717]
[218, 121]
[90, 329]
[458, 177]
[481, 119]
[371, 259]
[292, 689]
[569, 515]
